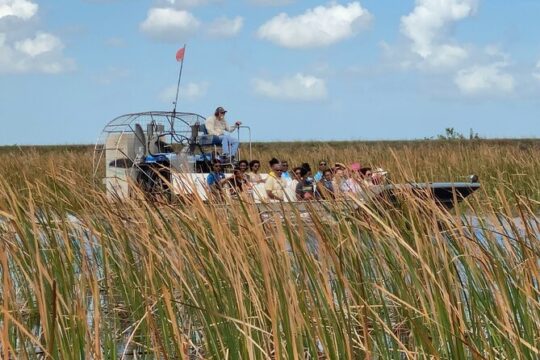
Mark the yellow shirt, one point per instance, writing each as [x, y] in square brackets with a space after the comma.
[274, 185]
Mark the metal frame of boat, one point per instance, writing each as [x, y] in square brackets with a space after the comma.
[169, 152]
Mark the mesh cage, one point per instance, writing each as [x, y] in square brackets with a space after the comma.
[173, 128]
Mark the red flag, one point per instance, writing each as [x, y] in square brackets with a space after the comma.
[180, 54]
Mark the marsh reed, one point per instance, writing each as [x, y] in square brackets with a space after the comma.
[84, 277]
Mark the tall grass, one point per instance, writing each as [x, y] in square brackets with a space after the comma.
[508, 166]
[83, 277]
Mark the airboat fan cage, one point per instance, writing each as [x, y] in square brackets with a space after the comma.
[173, 128]
[129, 142]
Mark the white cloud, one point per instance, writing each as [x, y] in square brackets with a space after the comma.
[22, 9]
[31, 55]
[41, 53]
[427, 27]
[297, 88]
[485, 80]
[430, 19]
[190, 92]
[225, 27]
[447, 56]
[167, 24]
[41, 44]
[320, 26]
[476, 72]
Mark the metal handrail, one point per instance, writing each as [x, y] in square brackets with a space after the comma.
[249, 132]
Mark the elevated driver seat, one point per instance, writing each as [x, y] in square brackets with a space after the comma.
[208, 140]
[200, 138]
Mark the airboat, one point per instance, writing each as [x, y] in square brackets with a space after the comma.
[169, 154]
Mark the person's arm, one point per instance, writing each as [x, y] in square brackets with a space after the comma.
[233, 127]
[273, 196]
[268, 188]
[247, 183]
[230, 128]
[223, 181]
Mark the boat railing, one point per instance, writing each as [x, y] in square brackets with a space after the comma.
[248, 129]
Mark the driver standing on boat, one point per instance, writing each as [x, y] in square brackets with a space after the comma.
[217, 125]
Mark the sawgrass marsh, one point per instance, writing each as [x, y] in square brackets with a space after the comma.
[84, 277]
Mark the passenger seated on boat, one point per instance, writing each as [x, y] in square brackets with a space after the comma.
[347, 182]
[339, 166]
[216, 178]
[243, 166]
[274, 185]
[366, 176]
[285, 176]
[296, 177]
[353, 179]
[253, 175]
[297, 174]
[323, 165]
[305, 189]
[309, 176]
[237, 183]
[355, 167]
[339, 179]
[378, 176]
[326, 185]
[217, 125]
[290, 186]
[307, 167]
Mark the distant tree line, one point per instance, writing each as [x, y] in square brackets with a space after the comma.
[452, 134]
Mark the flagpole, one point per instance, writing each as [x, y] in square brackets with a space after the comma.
[179, 78]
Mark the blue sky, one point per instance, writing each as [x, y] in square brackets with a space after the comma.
[291, 69]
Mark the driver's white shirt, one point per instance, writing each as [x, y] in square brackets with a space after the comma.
[215, 126]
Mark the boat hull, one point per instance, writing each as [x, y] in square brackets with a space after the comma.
[446, 194]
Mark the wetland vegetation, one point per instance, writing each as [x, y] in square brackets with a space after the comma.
[84, 277]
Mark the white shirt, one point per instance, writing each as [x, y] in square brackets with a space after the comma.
[215, 126]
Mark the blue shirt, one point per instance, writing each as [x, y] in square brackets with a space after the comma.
[286, 176]
[318, 176]
[328, 184]
[214, 178]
